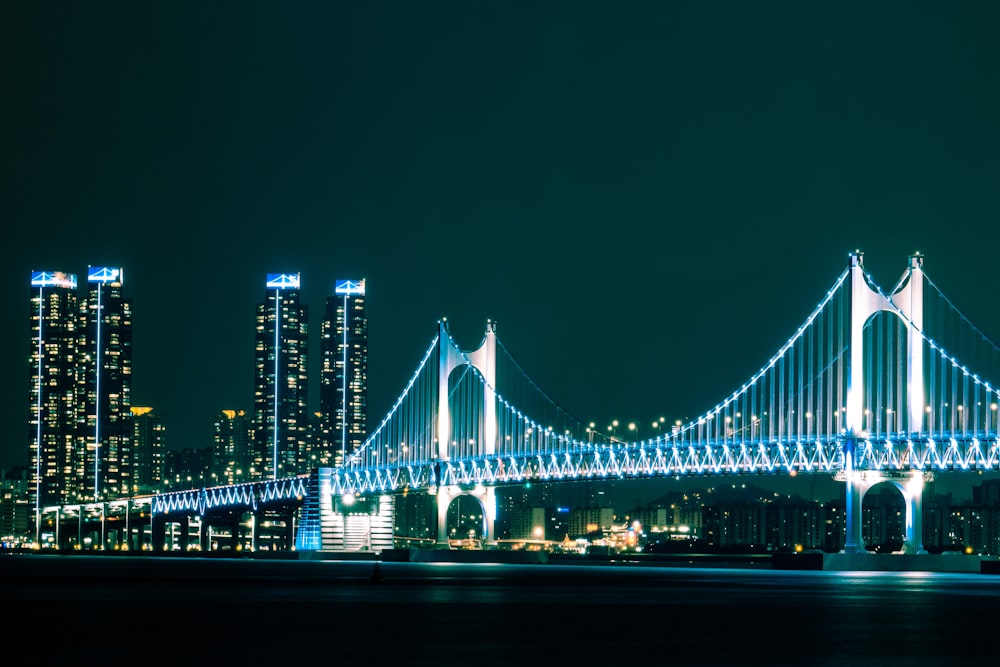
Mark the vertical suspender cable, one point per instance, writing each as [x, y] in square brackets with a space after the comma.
[842, 356]
[811, 379]
[880, 360]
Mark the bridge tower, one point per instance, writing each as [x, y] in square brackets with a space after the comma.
[484, 358]
[865, 303]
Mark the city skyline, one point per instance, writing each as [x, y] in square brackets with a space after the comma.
[646, 202]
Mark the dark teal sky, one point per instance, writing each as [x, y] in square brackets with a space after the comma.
[648, 198]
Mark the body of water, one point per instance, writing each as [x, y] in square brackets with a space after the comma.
[147, 610]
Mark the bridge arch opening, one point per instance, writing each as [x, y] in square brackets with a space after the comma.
[884, 507]
[466, 522]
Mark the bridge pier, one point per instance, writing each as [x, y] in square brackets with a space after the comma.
[853, 541]
[911, 487]
[275, 529]
[223, 531]
[486, 495]
[185, 536]
[179, 529]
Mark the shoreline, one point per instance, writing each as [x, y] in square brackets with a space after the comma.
[862, 562]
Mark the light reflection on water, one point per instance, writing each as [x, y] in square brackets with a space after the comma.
[415, 613]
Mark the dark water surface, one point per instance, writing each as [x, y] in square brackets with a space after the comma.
[91, 610]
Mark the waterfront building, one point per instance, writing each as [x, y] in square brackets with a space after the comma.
[343, 391]
[791, 522]
[148, 443]
[56, 463]
[732, 524]
[280, 401]
[652, 518]
[231, 452]
[319, 451]
[15, 512]
[527, 523]
[987, 493]
[412, 522]
[187, 468]
[81, 387]
[104, 355]
[584, 521]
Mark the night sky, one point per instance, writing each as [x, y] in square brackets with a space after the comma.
[648, 198]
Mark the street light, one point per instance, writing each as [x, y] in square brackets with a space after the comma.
[657, 423]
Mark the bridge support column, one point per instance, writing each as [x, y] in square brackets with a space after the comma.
[913, 493]
[487, 495]
[125, 541]
[58, 533]
[235, 536]
[289, 532]
[205, 535]
[444, 498]
[853, 542]
[185, 536]
[157, 532]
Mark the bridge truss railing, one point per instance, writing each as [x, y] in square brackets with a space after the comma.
[249, 495]
[789, 417]
[652, 459]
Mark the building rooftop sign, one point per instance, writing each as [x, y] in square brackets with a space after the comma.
[283, 280]
[53, 279]
[350, 287]
[104, 274]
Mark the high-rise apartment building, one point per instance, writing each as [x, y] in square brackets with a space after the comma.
[319, 449]
[80, 377]
[104, 350]
[343, 392]
[56, 462]
[187, 468]
[281, 416]
[148, 443]
[231, 452]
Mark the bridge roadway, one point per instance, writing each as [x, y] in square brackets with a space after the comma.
[262, 513]
[215, 518]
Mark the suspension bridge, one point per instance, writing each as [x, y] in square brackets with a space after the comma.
[874, 386]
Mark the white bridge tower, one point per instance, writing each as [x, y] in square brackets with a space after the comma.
[908, 302]
[484, 359]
